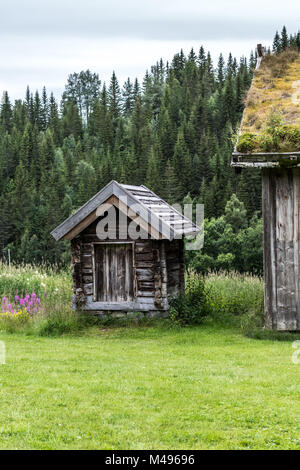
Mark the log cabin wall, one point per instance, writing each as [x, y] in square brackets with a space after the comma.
[281, 200]
[175, 266]
[154, 263]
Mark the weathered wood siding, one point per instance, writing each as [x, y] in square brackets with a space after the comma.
[175, 266]
[153, 261]
[113, 272]
[281, 199]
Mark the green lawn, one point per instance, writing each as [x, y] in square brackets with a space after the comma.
[149, 388]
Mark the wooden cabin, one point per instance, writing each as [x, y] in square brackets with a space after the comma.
[127, 251]
[276, 89]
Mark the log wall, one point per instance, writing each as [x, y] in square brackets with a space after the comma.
[158, 272]
[281, 200]
[175, 266]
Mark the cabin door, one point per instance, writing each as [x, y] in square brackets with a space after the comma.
[113, 276]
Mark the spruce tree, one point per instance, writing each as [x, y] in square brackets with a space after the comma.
[284, 39]
[276, 43]
[128, 97]
[114, 98]
[5, 113]
[221, 71]
[44, 110]
[153, 175]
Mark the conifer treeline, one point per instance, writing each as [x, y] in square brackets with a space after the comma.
[173, 133]
[283, 41]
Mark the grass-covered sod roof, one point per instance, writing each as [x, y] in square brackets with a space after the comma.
[271, 120]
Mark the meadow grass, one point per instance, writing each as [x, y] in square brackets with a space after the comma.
[231, 298]
[156, 387]
[73, 383]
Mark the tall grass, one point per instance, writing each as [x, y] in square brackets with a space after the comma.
[224, 296]
[51, 284]
[235, 294]
[45, 279]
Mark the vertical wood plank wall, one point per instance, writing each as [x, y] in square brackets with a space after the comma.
[281, 200]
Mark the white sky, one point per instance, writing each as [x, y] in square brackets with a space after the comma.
[42, 41]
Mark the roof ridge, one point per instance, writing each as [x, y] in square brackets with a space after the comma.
[113, 188]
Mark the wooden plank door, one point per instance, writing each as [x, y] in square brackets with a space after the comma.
[114, 272]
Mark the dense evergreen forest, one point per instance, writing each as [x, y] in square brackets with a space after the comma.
[173, 132]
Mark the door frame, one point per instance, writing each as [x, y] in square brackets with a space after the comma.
[114, 242]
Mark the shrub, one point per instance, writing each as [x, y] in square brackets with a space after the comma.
[247, 142]
[289, 138]
[203, 263]
[265, 142]
[276, 136]
[225, 261]
[191, 307]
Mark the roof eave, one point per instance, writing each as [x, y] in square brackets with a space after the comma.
[68, 224]
[118, 190]
[265, 159]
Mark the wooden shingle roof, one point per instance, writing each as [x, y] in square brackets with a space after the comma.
[168, 222]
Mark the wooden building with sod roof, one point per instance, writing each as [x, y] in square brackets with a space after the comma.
[127, 251]
[269, 139]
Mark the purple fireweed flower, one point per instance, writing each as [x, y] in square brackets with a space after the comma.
[45, 294]
[33, 295]
[38, 300]
[30, 304]
[22, 302]
[4, 299]
[16, 298]
[9, 306]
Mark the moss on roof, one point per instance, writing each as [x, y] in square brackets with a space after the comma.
[271, 119]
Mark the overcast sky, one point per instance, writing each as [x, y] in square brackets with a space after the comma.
[42, 41]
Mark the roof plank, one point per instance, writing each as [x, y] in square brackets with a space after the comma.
[162, 217]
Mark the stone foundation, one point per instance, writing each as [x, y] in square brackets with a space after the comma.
[105, 314]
